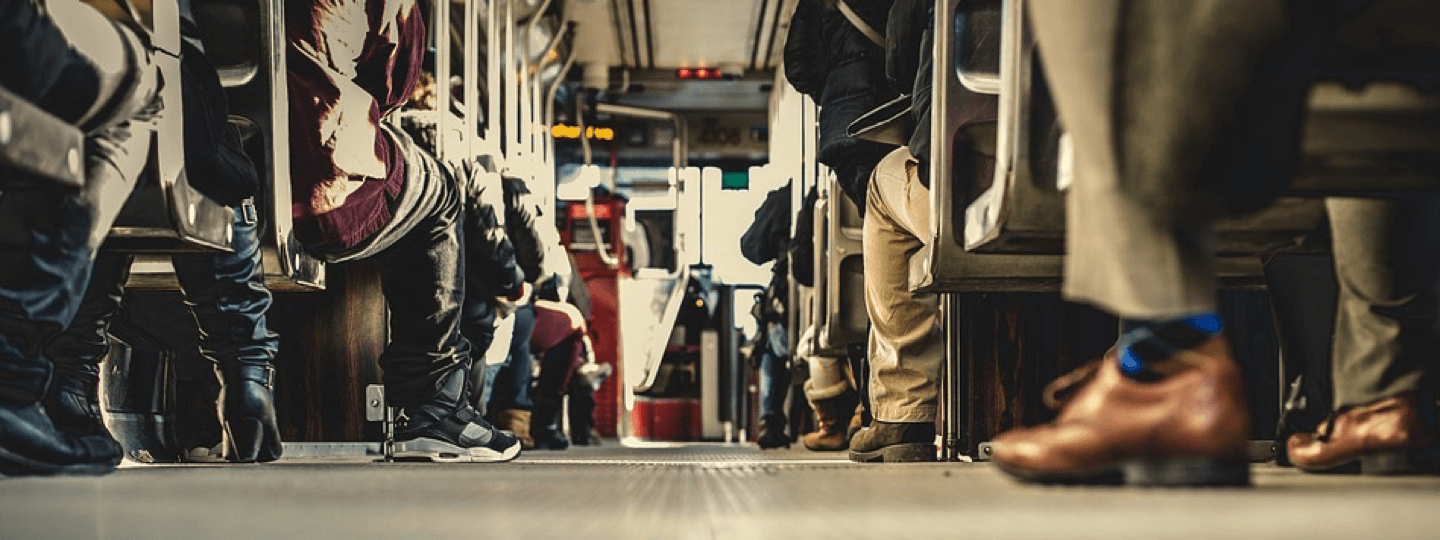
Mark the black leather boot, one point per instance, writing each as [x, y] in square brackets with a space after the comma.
[247, 411]
[30, 444]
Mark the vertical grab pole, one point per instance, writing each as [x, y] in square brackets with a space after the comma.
[441, 32]
[493, 79]
[472, 79]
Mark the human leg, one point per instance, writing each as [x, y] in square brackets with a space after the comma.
[774, 385]
[905, 349]
[427, 362]
[1138, 221]
[73, 400]
[830, 395]
[226, 294]
[1387, 257]
[511, 405]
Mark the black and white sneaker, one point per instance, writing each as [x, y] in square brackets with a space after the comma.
[447, 429]
[461, 436]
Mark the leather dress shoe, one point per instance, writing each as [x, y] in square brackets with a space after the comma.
[1187, 428]
[894, 442]
[1384, 437]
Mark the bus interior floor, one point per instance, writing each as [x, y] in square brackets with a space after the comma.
[678, 491]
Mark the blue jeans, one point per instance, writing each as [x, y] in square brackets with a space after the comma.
[48, 237]
[774, 371]
[511, 384]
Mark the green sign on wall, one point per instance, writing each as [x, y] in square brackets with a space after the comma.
[735, 180]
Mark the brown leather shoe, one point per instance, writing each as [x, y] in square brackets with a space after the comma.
[1384, 437]
[1189, 428]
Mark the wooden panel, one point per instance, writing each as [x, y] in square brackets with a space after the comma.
[330, 345]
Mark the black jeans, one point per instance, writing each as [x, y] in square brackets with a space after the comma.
[225, 292]
[421, 276]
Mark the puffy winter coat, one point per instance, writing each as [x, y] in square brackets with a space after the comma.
[832, 61]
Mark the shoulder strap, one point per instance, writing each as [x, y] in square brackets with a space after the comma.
[861, 25]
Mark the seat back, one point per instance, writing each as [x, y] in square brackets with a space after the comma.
[245, 39]
[164, 213]
[962, 146]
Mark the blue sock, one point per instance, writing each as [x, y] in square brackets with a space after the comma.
[1145, 342]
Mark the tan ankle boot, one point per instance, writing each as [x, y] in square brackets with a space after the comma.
[832, 414]
[516, 421]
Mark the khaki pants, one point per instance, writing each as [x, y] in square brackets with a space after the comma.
[1141, 250]
[905, 349]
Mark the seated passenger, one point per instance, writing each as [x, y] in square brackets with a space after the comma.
[542, 258]
[97, 74]
[363, 189]
[562, 339]
[1161, 151]
[225, 292]
[905, 349]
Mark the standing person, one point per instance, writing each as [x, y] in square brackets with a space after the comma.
[766, 241]
[363, 189]
[225, 292]
[1159, 157]
[73, 63]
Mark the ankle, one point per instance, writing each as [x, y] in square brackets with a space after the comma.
[1147, 347]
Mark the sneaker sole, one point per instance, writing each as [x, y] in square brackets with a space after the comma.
[437, 451]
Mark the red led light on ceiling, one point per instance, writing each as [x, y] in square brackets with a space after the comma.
[699, 73]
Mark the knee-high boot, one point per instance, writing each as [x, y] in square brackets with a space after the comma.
[226, 293]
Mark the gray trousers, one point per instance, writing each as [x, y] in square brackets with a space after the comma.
[1152, 173]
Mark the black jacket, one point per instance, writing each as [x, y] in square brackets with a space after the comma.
[769, 233]
[490, 258]
[908, 59]
[830, 60]
[521, 219]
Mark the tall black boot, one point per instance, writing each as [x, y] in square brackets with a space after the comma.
[73, 399]
[226, 293]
